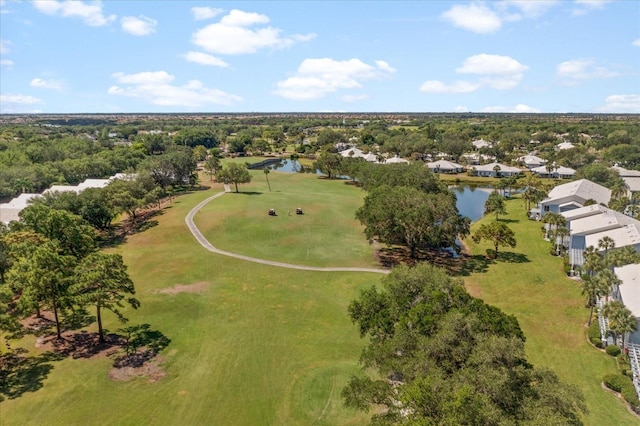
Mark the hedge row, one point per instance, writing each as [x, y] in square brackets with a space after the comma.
[623, 385]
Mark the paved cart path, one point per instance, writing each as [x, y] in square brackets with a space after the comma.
[207, 245]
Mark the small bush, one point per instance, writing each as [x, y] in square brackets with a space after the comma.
[614, 382]
[594, 331]
[595, 341]
[613, 350]
[629, 394]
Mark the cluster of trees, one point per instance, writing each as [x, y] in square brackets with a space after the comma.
[49, 263]
[441, 356]
[408, 205]
[599, 280]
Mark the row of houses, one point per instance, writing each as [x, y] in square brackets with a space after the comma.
[11, 211]
[588, 226]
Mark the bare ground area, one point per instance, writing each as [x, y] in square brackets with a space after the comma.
[199, 287]
[150, 369]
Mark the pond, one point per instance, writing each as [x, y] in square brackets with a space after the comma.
[470, 200]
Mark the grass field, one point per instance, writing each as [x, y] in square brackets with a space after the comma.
[255, 345]
[551, 312]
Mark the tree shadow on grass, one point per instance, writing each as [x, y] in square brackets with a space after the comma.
[474, 264]
[20, 373]
[509, 220]
[510, 257]
[461, 265]
[141, 344]
[247, 193]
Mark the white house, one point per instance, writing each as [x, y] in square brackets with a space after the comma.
[556, 172]
[573, 195]
[565, 145]
[629, 294]
[62, 188]
[481, 143]
[497, 170]
[531, 161]
[396, 160]
[444, 166]
[11, 210]
[631, 178]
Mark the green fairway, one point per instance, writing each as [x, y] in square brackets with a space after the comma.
[327, 234]
[256, 345]
[551, 312]
[253, 344]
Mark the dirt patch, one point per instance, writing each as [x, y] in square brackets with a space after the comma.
[199, 287]
[151, 369]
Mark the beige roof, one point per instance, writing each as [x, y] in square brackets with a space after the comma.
[503, 168]
[444, 165]
[607, 219]
[630, 288]
[582, 188]
[628, 235]
[625, 172]
[586, 211]
[561, 170]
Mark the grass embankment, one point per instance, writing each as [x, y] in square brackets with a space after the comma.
[533, 287]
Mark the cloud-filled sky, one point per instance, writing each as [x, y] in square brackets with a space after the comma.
[68, 56]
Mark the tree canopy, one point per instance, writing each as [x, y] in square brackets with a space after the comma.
[444, 357]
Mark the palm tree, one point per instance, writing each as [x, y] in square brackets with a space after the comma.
[606, 243]
[558, 235]
[609, 280]
[266, 175]
[592, 261]
[497, 169]
[553, 219]
[621, 320]
[622, 256]
[593, 289]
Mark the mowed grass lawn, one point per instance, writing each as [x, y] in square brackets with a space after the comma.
[551, 312]
[327, 234]
[258, 345]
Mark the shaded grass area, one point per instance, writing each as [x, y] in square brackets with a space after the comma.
[255, 345]
[550, 310]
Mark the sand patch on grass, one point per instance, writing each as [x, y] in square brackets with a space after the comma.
[198, 288]
[150, 369]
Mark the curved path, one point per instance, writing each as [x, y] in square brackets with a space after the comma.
[207, 245]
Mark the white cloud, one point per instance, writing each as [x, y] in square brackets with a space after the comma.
[636, 42]
[205, 59]
[621, 104]
[316, 78]
[495, 71]
[527, 8]
[4, 46]
[155, 87]
[436, 86]
[474, 17]
[520, 108]
[13, 103]
[91, 14]
[140, 26]
[491, 64]
[8, 63]
[354, 98]
[577, 70]
[233, 35]
[201, 13]
[461, 108]
[585, 6]
[46, 84]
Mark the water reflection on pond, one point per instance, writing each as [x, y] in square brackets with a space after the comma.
[470, 200]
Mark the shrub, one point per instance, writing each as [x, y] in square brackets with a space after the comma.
[629, 394]
[595, 341]
[613, 350]
[614, 382]
[594, 331]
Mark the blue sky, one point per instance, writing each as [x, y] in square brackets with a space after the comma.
[307, 56]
